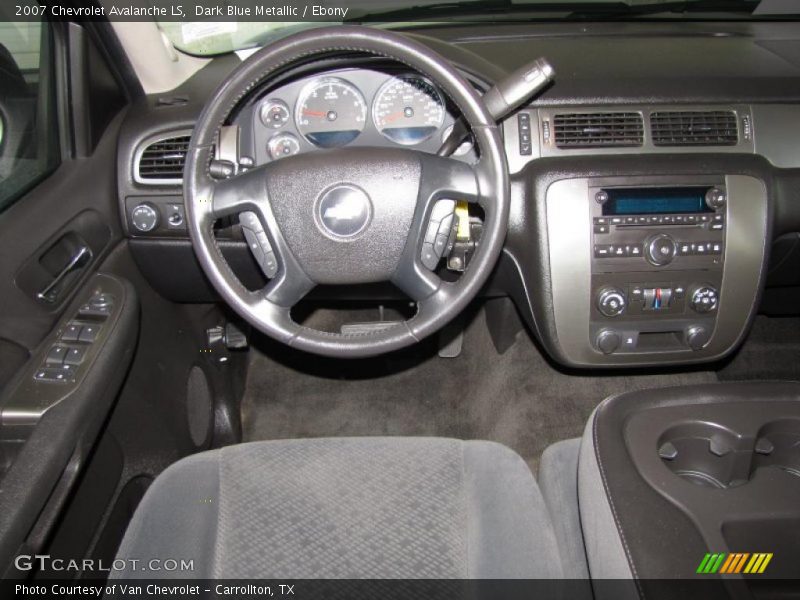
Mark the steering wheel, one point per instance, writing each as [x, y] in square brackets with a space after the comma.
[348, 215]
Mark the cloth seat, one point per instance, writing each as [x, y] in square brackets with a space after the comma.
[346, 508]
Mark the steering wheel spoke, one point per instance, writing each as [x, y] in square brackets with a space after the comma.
[290, 285]
[244, 192]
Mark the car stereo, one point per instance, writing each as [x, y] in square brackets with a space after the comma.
[657, 259]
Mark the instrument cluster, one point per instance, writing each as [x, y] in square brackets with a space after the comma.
[361, 107]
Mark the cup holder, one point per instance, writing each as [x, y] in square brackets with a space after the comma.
[705, 454]
[778, 447]
[710, 455]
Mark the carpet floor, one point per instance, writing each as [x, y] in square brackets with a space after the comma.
[518, 398]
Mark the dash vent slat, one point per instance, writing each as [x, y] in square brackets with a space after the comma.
[598, 130]
[694, 128]
[164, 159]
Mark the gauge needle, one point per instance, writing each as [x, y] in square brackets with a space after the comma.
[313, 113]
[393, 117]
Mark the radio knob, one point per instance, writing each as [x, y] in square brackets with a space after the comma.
[144, 217]
[659, 249]
[608, 341]
[715, 198]
[611, 301]
[704, 299]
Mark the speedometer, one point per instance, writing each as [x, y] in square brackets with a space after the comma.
[408, 110]
[330, 112]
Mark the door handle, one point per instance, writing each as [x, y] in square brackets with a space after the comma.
[79, 260]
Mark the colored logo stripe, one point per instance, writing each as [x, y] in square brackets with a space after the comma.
[735, 562]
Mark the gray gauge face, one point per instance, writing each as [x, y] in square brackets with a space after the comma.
[330, 112]
[274, 114]
[283, 144]
[408, 110]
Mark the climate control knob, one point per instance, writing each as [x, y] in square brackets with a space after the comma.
[144, 217]
[704, 299]
[611, 301]
[659, 250]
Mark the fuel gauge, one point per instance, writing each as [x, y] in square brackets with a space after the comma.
[282, 145]
[274, 114]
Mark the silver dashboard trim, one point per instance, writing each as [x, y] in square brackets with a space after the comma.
[569, 243]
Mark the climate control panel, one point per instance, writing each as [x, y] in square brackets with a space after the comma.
[657, 259]
[652, 270]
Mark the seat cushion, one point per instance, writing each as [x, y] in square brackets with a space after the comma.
[347, 508]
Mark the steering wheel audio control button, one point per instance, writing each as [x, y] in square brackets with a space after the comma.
[429, 257]
[259, 244]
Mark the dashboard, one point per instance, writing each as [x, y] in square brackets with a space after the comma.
[346, 107]
[624, 117]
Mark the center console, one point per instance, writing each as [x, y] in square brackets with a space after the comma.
[704, 484]
[654, 270]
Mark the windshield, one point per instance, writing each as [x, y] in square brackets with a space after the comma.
[215, 36]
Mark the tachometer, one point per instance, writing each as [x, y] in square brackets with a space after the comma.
[408, 110]
[330, 112]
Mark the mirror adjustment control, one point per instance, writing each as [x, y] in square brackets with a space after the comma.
[611, 301]
[144, 217]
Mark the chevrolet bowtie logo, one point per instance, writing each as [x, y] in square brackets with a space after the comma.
[343, 211]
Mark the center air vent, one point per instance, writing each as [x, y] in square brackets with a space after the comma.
[598, 130]
[694, 128]
[161, 162]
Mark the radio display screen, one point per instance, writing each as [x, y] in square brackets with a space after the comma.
[646, 201]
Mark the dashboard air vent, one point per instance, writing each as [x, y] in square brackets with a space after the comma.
[162, 160]
[598, 130]
[694, 128]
